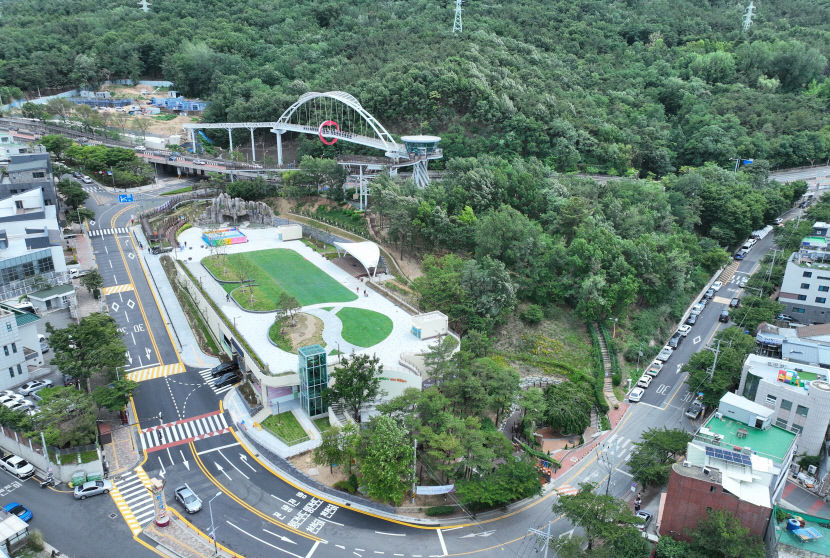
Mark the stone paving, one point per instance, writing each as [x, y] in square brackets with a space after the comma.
[180, 539]
[122, 454]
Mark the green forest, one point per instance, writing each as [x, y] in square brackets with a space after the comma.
[596, 86]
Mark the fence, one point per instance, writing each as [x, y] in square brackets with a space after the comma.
[64, 462]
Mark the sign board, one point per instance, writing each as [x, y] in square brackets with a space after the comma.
[125, 198]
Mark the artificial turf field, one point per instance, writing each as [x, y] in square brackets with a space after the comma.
[364, 328]
[279, 270]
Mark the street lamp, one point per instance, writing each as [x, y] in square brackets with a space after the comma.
[212, 527]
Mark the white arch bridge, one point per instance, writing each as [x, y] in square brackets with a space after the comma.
[338, 116]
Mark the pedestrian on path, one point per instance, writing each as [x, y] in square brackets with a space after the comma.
[637, 502]
[365, 293]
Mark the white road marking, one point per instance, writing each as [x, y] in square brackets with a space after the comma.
[696, 340]
[391, 534]
[313, 548]
[441, 540]
[216, 449]
[234, 466]
[262, 541]
[624, 472]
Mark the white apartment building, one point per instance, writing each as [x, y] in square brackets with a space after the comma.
[799, 395]
[20, 356]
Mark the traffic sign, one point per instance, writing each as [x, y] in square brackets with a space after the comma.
[125, 198]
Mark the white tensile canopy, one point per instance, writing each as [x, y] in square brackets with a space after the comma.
[367, 253]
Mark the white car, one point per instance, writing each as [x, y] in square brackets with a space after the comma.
[644, 381]
[21, 405]
[33, 386]
[654, 368]
[664, 354]
[697, 309]
[10, 398]
[717, 285]
[86, 180]
[198, 162]
[684, 329]
[636, 394]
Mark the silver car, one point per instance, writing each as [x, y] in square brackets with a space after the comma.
[92, 488]
[188, 499]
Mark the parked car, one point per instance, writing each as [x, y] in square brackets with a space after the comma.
[724, 316]
[695, 409]
[18, 466]
[636, 394]
[697, 309]
[784, 318]
[646, 517]
[19, 405]
[654, 368]
[716, 286]
[664, 354]
[691, 320]
[735, 302]
[709, 294]
[778, 221]
[644, 381]
[9, 397]
[223, 368]
[684, 329]
[740, 254]
[19, 510]
[92, 488]
[86, 180]
[675, 340]
[188, 499]
[33, 386]
[228, 379]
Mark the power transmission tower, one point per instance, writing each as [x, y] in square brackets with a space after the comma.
[456, 24]
[748, 16]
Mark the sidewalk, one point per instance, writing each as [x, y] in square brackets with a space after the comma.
[179, 539]
[122, 454]
[264, 447]
[172, 312]
[570, 459]
[244, 421]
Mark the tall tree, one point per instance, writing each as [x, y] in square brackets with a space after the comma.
[356, 383]
[657, 449]
[114, 396]
[721, 535]
[66, 415]
[603, 518]
[90, 347]
[386, 467]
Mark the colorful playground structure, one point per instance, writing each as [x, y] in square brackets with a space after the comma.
[224, 237]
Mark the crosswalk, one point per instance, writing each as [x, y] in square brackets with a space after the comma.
[117, 289]
[619, 447]
[566, 490]
[132, 496]
[210, 381]
[153, 372]
[183, 431]
[107, 232]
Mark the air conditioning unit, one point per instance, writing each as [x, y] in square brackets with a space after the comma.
[686, 463]
[748, 450]
[706, 471]
[812, 470]
[718, 415]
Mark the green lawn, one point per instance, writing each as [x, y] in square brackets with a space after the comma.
[279, 270]
[322, 424]
[285, 427]
[364, 328]
[184, 190]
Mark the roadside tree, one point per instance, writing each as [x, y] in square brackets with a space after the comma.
[386, 466]
[66, 416]
[114, 396]
[93, 282]
[655, 453]
[91, 347]
[356, 382]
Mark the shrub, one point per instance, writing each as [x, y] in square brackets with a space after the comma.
[440, 510]
[183, 228]
[533, 314]
[345, 486]
[781, 515]
[616, 378]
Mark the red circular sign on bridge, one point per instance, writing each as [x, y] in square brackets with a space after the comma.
[328, 124]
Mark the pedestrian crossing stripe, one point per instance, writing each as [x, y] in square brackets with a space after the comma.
[107, 232]
[117, 289]
[210, 381]
[153, 372]
[133, 499]
[566, 490]
[183, 431]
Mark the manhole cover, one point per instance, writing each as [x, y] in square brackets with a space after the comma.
[113, 515]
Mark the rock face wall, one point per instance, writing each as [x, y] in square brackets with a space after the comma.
[225, 208]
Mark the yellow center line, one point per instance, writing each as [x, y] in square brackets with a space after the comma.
[130, 276]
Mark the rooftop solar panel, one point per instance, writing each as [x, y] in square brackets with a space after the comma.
[730, 456]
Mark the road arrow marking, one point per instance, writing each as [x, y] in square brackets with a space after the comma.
[186, 464]
[679, 366]
[244, 459]
[482, 534]
[222, 470]
[280, 537]
[163, 472]
[147, 351]
[129, 358]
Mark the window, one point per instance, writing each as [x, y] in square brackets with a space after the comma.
[771, 399]
[786, 405]
[824, 277]
[18, 204]
[807, 274]
[802, 297]
[8, 326]
[11, 372]
[781, 423]
[824, 288]
[14, 347]
[802, 410]
[821, 299]
[711, 489]
[19, 370]
[6, 349]
[805, 285]
[798, 310]
[38, 175]
[795, 428]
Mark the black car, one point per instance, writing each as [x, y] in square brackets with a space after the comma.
[222, 369]
[735, 302]
[691, 320]
[228, 379]
[675, 340]
[724, 316]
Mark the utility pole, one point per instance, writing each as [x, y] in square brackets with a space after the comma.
[456, 24]
[715, 362]
[414, 468]
[542, 536]
[604, 457]
[748, 16]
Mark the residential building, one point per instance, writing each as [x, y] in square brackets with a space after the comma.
[31, 246]
[797, 394]
[738, 461]
[21, 357]
[805, 288]
[802, 344]
[29, 171]
[8, 147]
[798, 535]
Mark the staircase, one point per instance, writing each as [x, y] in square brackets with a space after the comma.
[340, 415]
[608, 387]
[729, 271]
